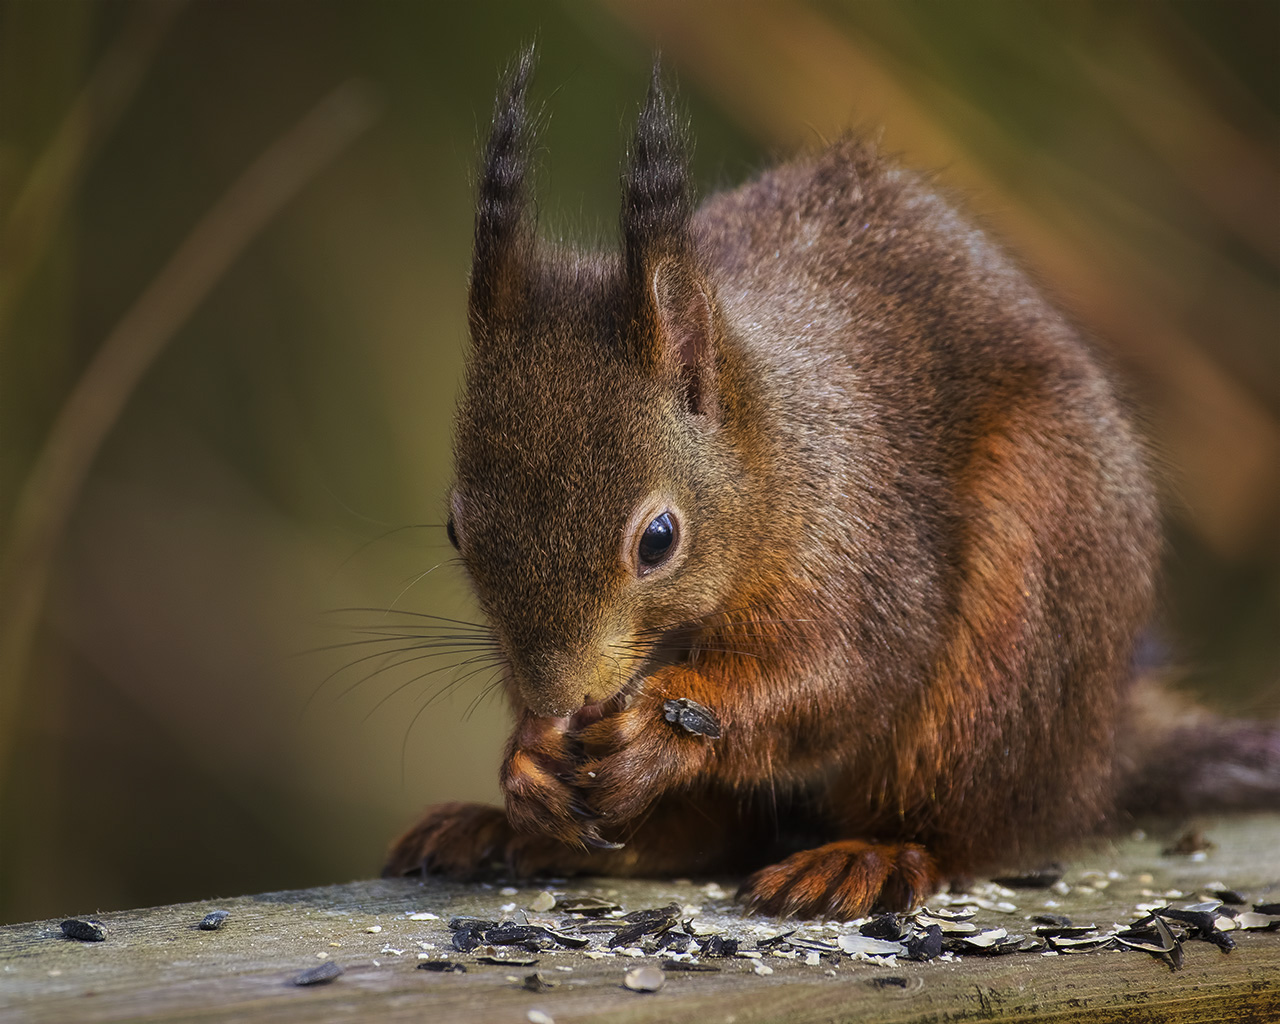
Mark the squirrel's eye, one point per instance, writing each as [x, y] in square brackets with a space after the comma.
[452, 533]
[657, 542]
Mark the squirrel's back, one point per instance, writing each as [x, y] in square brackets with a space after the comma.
[978, 511]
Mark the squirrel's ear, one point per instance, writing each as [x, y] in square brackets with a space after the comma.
[671, 303]
[684, 323]
[502, 257]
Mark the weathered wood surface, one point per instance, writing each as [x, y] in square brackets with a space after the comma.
[157, 965]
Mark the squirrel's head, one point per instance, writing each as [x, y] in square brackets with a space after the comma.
[596, 466]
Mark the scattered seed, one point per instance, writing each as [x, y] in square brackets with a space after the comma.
[442, 966]
[646, 922]
[539, 1017]
[688, 965]
[926, 944]
[855, 944]
[774, 940]
[718, 945]
[321, 974]
[1062, 931]
[535, 982]
[1040, 878]
[1191, 841]
[587, 906]
[543, 902]
[85, 931]
[644, 979]
[886, 926]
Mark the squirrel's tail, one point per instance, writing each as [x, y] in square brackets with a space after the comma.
[1179, 758]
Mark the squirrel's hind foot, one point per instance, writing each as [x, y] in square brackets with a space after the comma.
[843, 880]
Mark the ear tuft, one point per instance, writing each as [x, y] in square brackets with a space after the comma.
[657, 202]
[672, 310]
[504, 237]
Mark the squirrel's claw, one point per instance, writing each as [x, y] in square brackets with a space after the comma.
[592, 839]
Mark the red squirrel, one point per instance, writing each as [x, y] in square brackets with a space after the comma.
[814, 540]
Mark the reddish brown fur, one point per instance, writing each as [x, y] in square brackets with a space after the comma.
[919, 538]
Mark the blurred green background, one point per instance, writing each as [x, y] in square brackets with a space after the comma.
[161, 736]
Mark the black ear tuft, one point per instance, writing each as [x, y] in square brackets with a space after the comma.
[657, 200]
[504, 237]
[672, 310]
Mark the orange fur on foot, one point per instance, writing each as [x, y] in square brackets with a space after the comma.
[456, 839]
[843, 880]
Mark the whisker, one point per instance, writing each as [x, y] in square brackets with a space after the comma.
[416, 615]
[404, 743]
[378, 539]
[423, 675]
[433, 649]
[486, 692]
[413, 583]
[382, 638]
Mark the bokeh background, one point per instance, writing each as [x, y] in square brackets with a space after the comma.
[203, 455]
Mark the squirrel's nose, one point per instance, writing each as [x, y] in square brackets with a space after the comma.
[566, 687]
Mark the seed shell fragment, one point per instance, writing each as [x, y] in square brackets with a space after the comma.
[644, 979]
[692, 717]
[320, 974]
[85, 931]
[442, 966]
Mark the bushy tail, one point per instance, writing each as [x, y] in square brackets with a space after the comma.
[1179, 758]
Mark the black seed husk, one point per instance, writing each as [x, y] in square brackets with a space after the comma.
[84, 931]
[692, 717]
[685, 965]
[718, 945]
[926, 944]
[886, 926]
[535, 982]
[1040, 878]
[442, 966]
[319, 974]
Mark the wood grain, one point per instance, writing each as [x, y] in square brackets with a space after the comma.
[156, 965]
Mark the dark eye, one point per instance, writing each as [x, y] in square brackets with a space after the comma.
[452, 533]
[657, 542]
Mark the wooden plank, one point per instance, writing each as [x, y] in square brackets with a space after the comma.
[157, 965]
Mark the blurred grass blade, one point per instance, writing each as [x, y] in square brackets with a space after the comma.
[51, 489]
[31, 225]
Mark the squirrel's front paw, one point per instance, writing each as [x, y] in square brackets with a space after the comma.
[537, 780]
[634, 756]
[462, 840]
[843, 880]
[468, 841]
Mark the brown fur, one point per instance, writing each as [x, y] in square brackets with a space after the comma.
[918, 537]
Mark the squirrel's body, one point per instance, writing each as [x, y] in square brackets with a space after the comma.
[821, 460]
